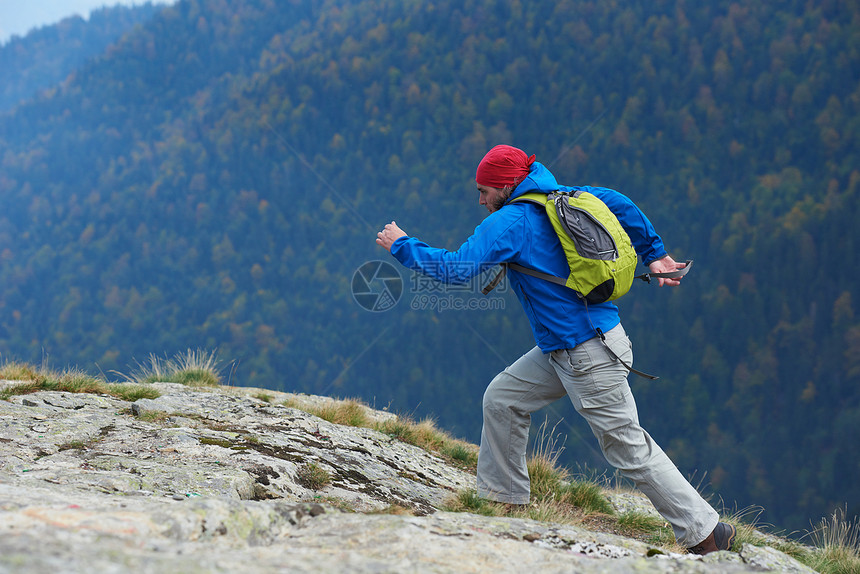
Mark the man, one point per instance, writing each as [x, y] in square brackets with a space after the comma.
[569, 359]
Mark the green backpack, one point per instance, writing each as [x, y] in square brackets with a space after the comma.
[599, 252]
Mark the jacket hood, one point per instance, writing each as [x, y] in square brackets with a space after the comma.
[539, 179]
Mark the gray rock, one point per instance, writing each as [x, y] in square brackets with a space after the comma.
[768, 558]
[624, 502]
[208, 481]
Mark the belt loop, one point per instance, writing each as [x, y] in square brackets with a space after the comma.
[569, 358]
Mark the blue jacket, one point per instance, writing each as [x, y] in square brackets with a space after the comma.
[522, 233]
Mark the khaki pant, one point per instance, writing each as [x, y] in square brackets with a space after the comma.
[597, 386]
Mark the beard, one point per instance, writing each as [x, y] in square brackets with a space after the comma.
[500, 200]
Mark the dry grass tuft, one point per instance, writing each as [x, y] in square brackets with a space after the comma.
[424, 434]
[349, 412]
[837, 545]
[15, 371]
[196, 368]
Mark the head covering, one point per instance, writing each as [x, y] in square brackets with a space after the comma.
[503, 165]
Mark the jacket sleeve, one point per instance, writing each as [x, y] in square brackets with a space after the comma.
[493, 242]
[647, 243]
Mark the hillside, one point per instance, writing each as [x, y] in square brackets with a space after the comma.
[212, 479]
[46, 56]
[216, 178]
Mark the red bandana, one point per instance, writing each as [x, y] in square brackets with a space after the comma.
[503, 165]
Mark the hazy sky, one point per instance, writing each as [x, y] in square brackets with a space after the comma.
[20, 16]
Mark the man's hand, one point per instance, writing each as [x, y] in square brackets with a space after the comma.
[389, 234]
[666, 265]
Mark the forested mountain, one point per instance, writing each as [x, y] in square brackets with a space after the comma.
[44, 57]
[216, 178]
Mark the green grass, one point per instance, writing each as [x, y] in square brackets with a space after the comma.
[545, 474]
[193, 367]
[223, 443]
[745, 522]
[833, 545]
[131, 391]
[154, 417]
[462, 454]
[195, 377]
[35, 379]
[554, 498]
[313, 476]
[469, 501]
[426, 435]
[836, 542]
[25, 388]
[588, 496]
[634, 522]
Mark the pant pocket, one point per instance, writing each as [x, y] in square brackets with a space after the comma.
[604, 399]
[610, 413]
[573, 362]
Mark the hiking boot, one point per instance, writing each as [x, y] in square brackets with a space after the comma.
[720, 539]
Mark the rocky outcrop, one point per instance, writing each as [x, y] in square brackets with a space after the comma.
[214, 480]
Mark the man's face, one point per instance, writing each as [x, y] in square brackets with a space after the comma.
[493, 197]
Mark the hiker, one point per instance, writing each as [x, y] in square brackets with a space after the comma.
[569, 359]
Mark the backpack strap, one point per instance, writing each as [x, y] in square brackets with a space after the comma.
[527, 270]
[496, 280]
[532, 197]
[538, 199]
[646, 277]
[535, 273]
[617, 358]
